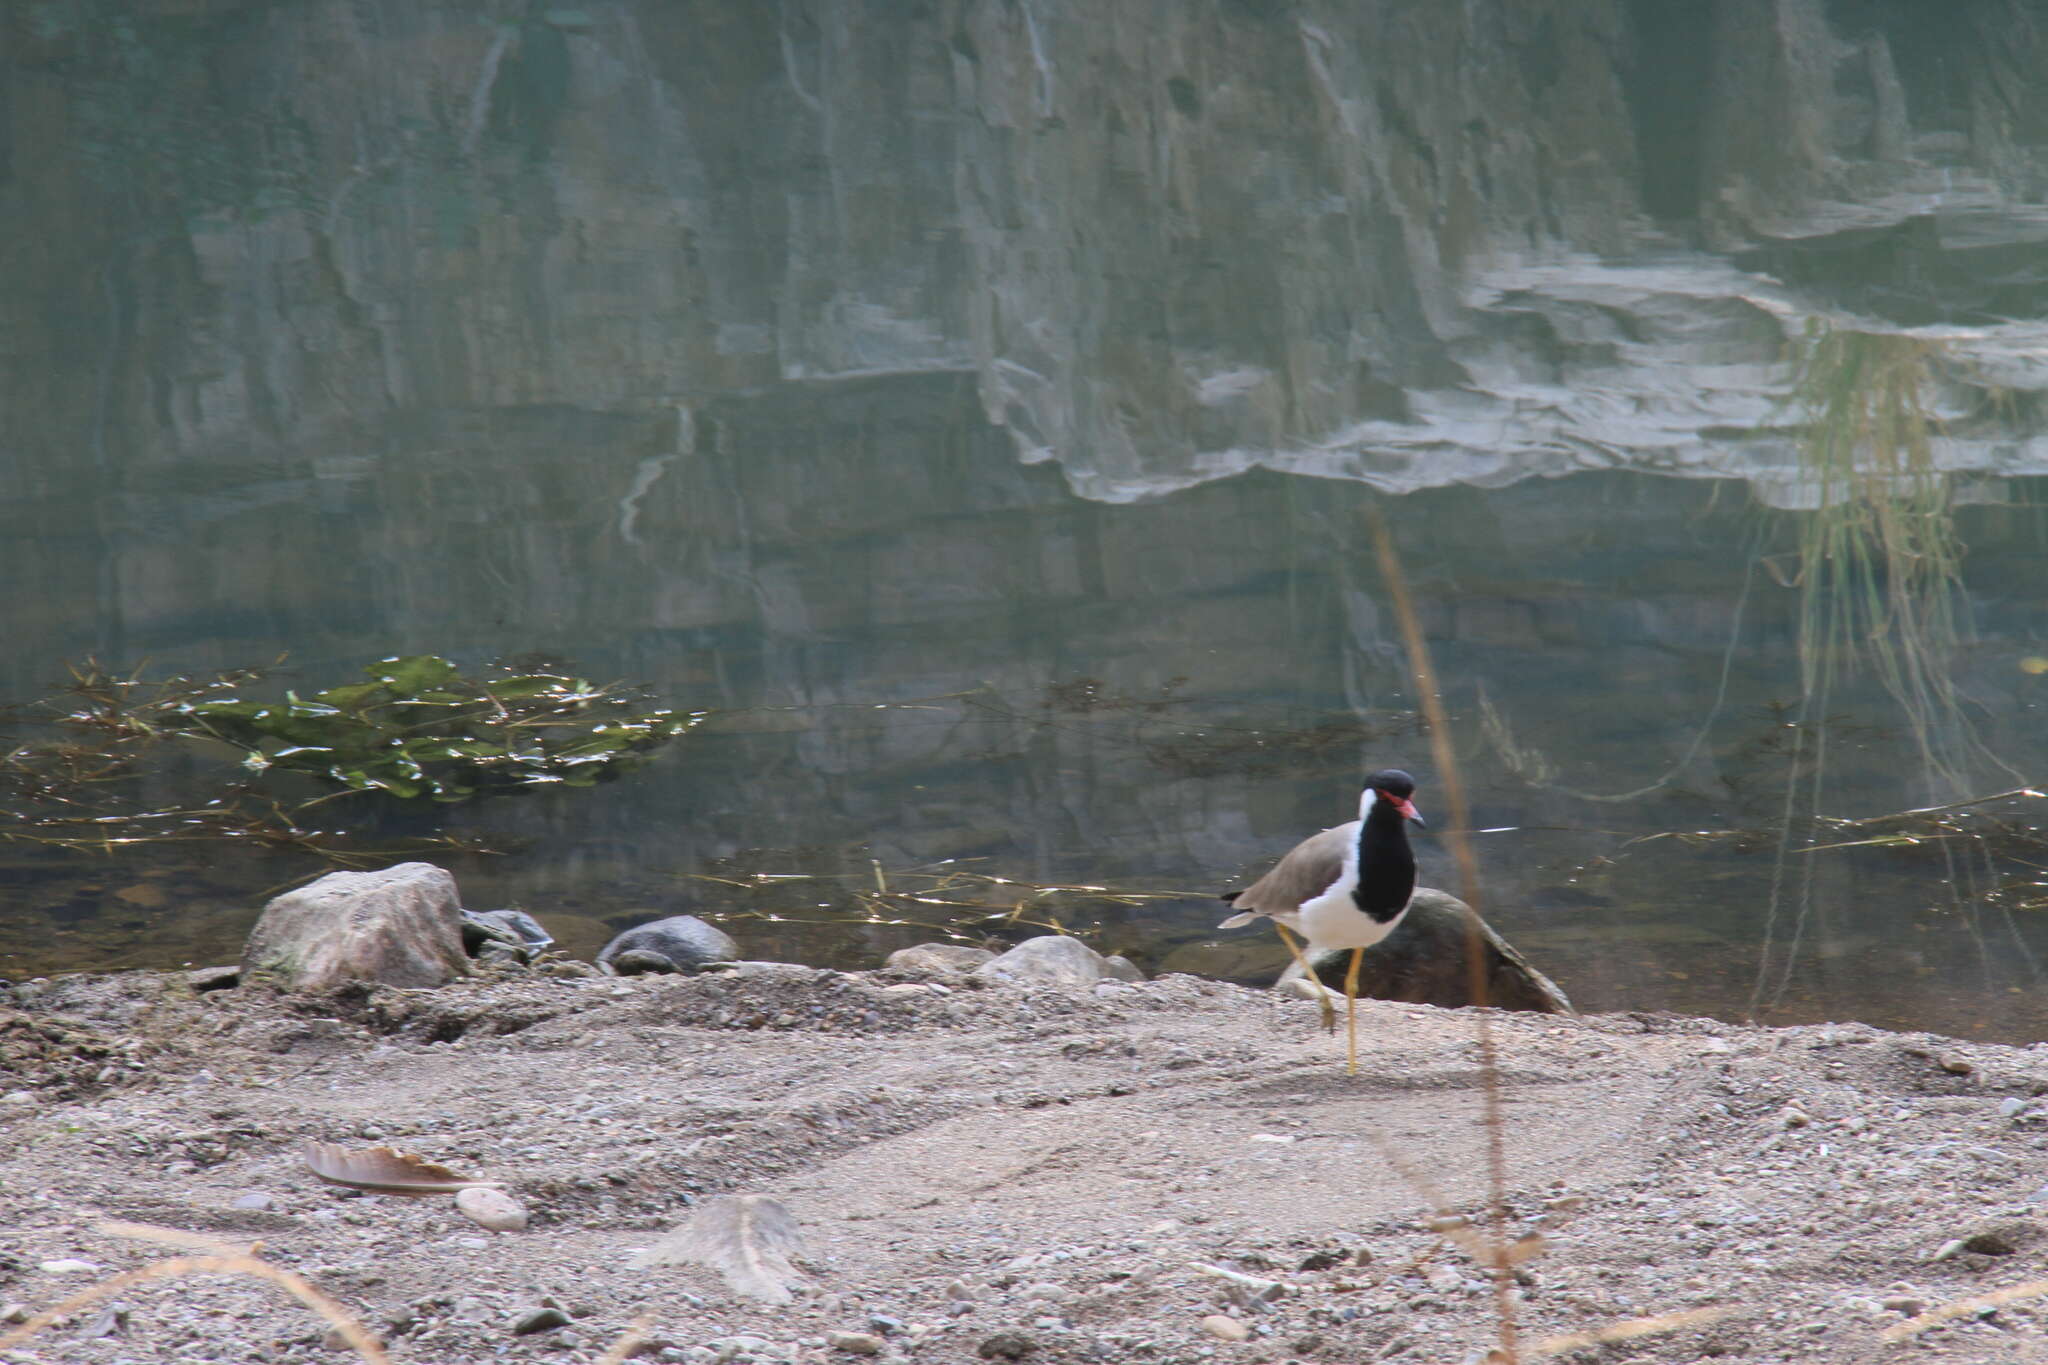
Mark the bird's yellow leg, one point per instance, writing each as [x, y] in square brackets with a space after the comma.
[1322, 992]
[1351, 1011]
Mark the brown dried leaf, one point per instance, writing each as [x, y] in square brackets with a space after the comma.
[381, 1170]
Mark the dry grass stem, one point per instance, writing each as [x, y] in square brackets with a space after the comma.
[628, 1342]
[1934, 1317]
[339, 1317]
[1628, 1330]
[1468, 884]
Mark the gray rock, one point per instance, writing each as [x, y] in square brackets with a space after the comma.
[1050, 960]
[938, 959]
[398, 927]
[688, 943]
[529, 1321]
[640, 961]
[1423, 963]
[513, 929]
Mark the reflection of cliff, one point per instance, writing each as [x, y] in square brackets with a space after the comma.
[1390, 241]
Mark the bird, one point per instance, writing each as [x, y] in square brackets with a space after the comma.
[1347, 887]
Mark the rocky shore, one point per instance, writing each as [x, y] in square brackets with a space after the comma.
[987, 1169]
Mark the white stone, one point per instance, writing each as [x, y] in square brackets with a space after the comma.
[491, 1209]
[1049, 960]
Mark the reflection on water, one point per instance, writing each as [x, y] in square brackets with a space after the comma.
[703, 351]
[1030, 689]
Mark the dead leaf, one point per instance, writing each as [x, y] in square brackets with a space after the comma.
[747, 1238]
[380, 1170]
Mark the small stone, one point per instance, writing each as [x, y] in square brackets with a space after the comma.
[1225, 1329]
[855, 1343]
[938, 959]
[529, 1321]
[1006, 1346]
[1444, 1279]
[1050, 960]
[69, 1265]
[334, 1339]
[493, 1210]
[108, 1322]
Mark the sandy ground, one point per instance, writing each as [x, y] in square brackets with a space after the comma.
[1002, 1173]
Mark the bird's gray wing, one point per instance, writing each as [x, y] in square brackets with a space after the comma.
[1303, 872]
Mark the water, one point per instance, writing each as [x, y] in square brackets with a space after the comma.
[978, 618]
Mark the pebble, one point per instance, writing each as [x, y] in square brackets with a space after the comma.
[531, 1320]
[855, 1343]
[1225, 1329]
[493, 1210]
[1006, 1346]
[69, 1265]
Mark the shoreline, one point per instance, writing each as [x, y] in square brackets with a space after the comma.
[977, 1171]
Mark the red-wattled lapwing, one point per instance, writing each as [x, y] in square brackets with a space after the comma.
[1344, 888]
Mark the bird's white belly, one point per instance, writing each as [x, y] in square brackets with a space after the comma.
[1333, 920]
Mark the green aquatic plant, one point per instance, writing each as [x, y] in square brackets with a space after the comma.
[86, 767]
[420, 729]
[1879, 559]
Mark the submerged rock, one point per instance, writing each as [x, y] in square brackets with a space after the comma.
[1423, 963]
[1050, 960]
[687, 943]
[401, 926]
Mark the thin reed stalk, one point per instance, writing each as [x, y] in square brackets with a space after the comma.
[1500, 1267]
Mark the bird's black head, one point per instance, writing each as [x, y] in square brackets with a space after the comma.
[1392, 782]
[1395, 788]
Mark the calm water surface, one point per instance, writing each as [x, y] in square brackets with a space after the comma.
[577, 333]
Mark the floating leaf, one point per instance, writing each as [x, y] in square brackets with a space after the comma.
[381, 1170]
[747, 1238]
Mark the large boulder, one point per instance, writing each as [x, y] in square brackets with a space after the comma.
[1423, 962]
[680, 943]
[1053, 960]
[398, 927]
